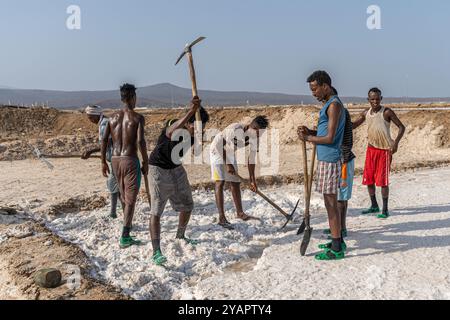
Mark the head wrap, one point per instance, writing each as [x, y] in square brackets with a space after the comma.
[94, 110]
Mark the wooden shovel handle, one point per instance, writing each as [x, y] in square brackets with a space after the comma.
[305, 170]
[310, 179]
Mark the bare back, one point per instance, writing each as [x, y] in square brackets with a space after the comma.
[125, 127]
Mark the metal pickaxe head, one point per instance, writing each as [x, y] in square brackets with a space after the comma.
[188, 48]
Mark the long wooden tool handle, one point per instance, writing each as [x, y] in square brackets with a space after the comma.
[306, 179]
[262, 195]
[193, 81]
[310, 182]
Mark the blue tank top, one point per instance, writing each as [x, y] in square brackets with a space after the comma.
[330, 152]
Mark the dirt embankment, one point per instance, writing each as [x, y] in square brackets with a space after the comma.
[56, 132]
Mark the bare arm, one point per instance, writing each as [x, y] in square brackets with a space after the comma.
[360, 121]
[401, 129]
[105, 139]
[251, 172]
[195, 105]
[87, 154]
[143, 145]
[334, 112]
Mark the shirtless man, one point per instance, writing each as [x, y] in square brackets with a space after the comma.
[380, 150]
[96, 116]
[126, 129]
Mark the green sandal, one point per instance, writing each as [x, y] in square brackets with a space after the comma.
[384, 215]
[158, 258]
[328, 246]
[113, 216]
[329, 254]
[192, 242]
[128, 242]
[371, 210]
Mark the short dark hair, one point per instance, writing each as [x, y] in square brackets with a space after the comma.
[321, 77]
[203, 115]
[375, 90]
[127, 92]
[261, 122]
[335, 91]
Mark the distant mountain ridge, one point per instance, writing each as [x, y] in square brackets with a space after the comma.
[167, 95]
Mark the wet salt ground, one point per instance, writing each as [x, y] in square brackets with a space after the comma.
[418, 232]
[219, 249]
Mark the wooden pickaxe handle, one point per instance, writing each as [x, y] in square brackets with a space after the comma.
[262, 195]
[193, 81]
[305, 178]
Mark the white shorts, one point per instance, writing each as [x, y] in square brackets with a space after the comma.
[219, 173]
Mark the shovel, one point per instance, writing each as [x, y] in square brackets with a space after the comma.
[308, 186]
[308, 190]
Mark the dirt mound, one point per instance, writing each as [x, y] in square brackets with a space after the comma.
[23, 123]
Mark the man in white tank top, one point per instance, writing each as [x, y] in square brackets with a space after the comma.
[380, 149]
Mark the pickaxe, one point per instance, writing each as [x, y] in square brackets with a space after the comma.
[287, 216]
[188, 52]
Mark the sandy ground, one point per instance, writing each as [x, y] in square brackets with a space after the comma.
[404, 257]
[27, 246]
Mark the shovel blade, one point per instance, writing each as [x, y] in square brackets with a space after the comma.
[305, 241]
[302, 228]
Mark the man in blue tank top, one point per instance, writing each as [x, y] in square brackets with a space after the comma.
[328, 138]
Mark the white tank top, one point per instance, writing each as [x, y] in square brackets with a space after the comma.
[379, 130]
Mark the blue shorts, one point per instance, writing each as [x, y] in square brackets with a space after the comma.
[345, 194]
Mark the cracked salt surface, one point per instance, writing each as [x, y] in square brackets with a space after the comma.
[385, 260]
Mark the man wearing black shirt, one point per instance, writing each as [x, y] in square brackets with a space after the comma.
[168, 179]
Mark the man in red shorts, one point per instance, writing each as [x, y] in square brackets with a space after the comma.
[380, 149]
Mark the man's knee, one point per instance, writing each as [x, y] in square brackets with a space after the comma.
[220, 185]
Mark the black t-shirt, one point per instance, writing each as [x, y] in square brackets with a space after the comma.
[161, 156]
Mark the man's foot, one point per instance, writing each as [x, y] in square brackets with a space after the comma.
[371, 210]
[328, 246]
[158, 258]
[384, 215]
[128, 242]
[245, 217]
[329, 254]
[328, 232]
[190, 241]
[113, 215]
[226, 225]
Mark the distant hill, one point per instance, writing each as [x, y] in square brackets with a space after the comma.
[167, 95]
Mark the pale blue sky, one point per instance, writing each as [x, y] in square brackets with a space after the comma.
[268, 46]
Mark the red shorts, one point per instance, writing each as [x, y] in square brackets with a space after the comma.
[377, 167]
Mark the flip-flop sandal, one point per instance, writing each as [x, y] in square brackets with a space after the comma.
[192, 242]
[159, 259]
[226, 225]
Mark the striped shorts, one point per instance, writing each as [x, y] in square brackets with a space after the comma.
[328, 174]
